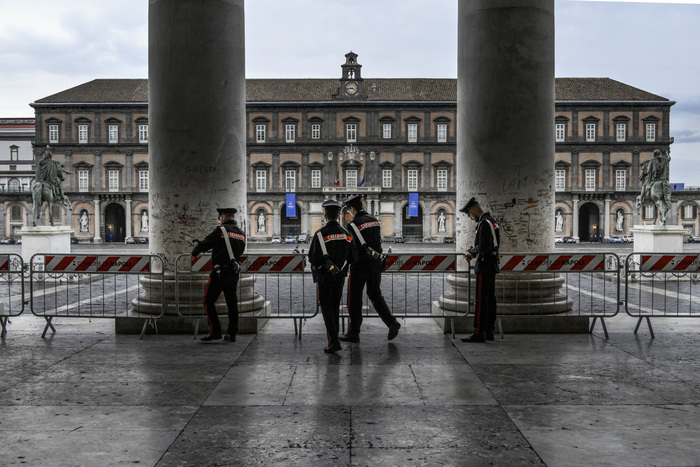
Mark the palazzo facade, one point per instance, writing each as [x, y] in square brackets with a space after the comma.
[391, 140]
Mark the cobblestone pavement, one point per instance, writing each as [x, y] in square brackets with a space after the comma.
[85, 396]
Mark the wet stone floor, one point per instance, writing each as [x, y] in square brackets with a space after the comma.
[87, 397]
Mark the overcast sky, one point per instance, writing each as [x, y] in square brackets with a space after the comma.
[47, 46]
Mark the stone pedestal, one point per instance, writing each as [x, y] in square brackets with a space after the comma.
[45, 239]
[658, 238]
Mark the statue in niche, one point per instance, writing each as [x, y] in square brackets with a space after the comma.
[559, 225]
[442, 228]
[655, 185]
[261, 222]
[84, 222]
[144, 221]
[619, 221]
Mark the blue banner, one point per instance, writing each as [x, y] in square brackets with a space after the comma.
[413, 205]
[291, 205]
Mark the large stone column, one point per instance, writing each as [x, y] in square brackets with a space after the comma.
[505, 135]
[197, 124]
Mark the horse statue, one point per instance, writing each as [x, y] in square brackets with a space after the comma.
[656, 187]
[44, 192]
[47, 186]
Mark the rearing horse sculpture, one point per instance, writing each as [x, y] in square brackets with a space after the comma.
[43, 191]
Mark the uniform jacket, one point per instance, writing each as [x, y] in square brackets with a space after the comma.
[371, 231]
[339, 243]
[486, 244]
[215, 242]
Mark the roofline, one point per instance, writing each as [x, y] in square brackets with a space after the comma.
[346, 102]
[668, 102]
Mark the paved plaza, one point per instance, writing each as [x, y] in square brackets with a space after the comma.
[85, 396]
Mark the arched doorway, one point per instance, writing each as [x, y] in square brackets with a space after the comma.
[588, 222]
[412, 226]
[290, 225]
[115, 223]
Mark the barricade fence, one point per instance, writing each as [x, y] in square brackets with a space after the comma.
[661, 285]
[559, 284]
[12, 299]
[93, 286]
[419, 286]
[271, 286]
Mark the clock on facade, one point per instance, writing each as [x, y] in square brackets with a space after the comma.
[351, 88]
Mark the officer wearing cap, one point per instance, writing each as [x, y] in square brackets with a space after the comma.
[485, 251]
[330, 254]
[224, 273]
[365, 271]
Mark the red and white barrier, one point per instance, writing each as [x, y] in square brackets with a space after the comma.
[102, 263]
[681, 262]
[256, 263]
[519, 262]
[420, 263]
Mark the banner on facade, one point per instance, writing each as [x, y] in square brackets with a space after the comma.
[291, 205]
[413, 205]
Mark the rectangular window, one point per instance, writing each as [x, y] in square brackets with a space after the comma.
[83, 180]
[442, 132]
[143, 133]
[590, 179]
[53, 133]
[590, 131]
[560, 180]
[620, 132]
[620, 180]
[260, 133]
[386, 178]
[442, 180]
[649, 211]
[412, 180]
[351, 178]
[688, 211]
[82, 134]
[143, 181]
[412, 132]
[651, 131]
[16, 214]
[260, 180]
[315, 131]
[113, 133]
[289, 133]
[560, 132]
[315, 178]
[113, 180]
[386, 130]
[351, 132]
[14, 153]
[290, 177]
[13, 167]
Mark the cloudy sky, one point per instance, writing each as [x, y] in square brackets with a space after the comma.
[47, 46]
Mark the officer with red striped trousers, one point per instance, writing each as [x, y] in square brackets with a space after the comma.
[224, 274]
[485, 251]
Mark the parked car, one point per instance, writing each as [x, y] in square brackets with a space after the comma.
[290, 239]
[558, 239]
[143, 240]
[398, 239]
[74, 240]
[615, 239]
[8, 241]
[448, 239]
[569, 240]
[303, 238]
[130, 240]
[276, 240]
[627, 239]
[693, 239]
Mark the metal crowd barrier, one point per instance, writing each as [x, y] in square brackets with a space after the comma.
[559, 284]
[11, 289]
[273, 286]
[414, 285]
[92, 286]
[661, 285]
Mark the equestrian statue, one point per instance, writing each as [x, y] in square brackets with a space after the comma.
[47, 186]
[655, 185]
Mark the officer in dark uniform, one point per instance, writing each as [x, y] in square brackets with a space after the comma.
[329, 269]
[364, 272]
[224, 273]
[485, 251]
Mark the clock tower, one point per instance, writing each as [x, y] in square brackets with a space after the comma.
[351, 80]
